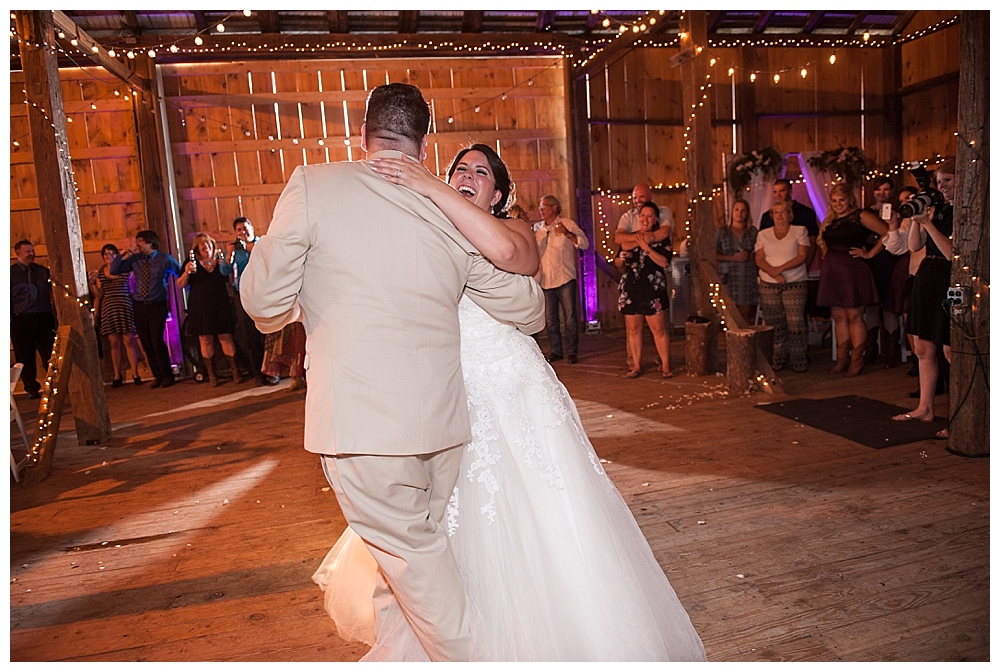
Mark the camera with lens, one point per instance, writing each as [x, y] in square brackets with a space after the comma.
[925, 199]
[240, 244]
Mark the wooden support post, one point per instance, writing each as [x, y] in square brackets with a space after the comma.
[746, 101]
[970, 330]
[38, 463]
[145, 108]
[580, 127]
[698, 124]
[892, 104]
[61, 219]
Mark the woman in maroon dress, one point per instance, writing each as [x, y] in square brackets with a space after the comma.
[846, 284]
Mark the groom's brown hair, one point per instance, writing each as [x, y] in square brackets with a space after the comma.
[397, 113]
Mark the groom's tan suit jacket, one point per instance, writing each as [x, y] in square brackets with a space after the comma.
[375, 272]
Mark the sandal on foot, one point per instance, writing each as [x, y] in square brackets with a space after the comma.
[777, 367]
[633, 374]
[942, 434]
[907, 417]
[667, 374]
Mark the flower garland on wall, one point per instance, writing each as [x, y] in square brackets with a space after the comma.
[847, 163]
[768, 162]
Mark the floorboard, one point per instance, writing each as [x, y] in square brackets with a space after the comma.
[192, 535]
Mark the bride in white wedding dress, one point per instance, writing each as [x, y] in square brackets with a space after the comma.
[554, 565]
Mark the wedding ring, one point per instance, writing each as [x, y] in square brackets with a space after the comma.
[399, 173]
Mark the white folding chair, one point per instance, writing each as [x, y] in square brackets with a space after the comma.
[15, 416]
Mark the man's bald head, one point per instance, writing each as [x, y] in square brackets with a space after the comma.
[640, 195]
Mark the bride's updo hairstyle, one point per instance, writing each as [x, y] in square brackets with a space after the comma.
[501, 177]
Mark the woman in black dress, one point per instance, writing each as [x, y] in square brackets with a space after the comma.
[210, 312]
[643, 292]
[115, 315]
[846, 283]
[928, 320]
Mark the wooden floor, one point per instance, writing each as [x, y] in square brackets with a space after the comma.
[193, 534]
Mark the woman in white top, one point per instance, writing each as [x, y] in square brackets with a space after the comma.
[780, 254]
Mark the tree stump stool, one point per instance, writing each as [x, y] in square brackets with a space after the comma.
[699, 346]
[741, 356]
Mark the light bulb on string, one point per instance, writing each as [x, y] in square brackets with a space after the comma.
[753, 76]
[174, 49]
[221, 27]
[606, 22]
[198, 40]
[803, 72]
[112, 53]
[833, 58]
[247, 13]
[777, 78]
[732, 71]
[866, 36]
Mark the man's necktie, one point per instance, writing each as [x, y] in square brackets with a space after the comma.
[144, 280]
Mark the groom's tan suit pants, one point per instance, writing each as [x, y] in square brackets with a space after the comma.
[397, 504]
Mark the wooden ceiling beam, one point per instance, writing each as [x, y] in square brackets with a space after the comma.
[200, 22]
[100, 57]
[856, 23]
[545, 19]
[408, 21]
[714, 18]
[762, 23]
[337, 21]
[902, 22]
[812, 22]
[262, 47]
[268, 21]
[621, 44]
[129, 22]
[472, 22]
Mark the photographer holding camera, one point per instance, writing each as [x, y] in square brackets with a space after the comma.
[929, 319]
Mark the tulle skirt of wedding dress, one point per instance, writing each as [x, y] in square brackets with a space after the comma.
[555, 566]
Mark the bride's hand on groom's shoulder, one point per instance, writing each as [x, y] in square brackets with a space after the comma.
[408, 173]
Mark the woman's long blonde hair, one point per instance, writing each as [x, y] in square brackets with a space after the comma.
[852, 201]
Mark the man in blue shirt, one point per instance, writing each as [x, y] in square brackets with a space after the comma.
[151, 269]
[249, 340]
[32, 322]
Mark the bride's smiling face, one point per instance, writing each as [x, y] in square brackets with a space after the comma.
[473, 178]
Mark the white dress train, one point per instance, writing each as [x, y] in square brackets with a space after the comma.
[554, 564]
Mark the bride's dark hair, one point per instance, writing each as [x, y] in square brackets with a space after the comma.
[501, 178]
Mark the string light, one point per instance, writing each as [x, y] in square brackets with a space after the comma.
[833, 58]
[803, 72]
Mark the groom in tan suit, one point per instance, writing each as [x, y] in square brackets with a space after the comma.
[375, 273]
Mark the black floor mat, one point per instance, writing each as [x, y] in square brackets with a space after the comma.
[859, 419]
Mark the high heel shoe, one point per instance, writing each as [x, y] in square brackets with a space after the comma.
[117, 382]
[137, 381]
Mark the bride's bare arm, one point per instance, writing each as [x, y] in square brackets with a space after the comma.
[508, 243]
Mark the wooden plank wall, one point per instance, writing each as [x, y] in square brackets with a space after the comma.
[930, 116]
[102, 139]
[238, 130]
[815, 113]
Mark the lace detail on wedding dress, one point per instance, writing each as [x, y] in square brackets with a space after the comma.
[499, 364]
[451, 512]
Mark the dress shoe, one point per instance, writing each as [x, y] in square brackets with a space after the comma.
[157, 382]
[167, 382]
[272, 380]
[572, 359]
[553, 358]
[34, 394]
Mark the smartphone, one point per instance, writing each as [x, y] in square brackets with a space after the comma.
[887, 211]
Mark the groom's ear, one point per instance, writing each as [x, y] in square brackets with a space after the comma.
[364, 143]
[423, 149]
